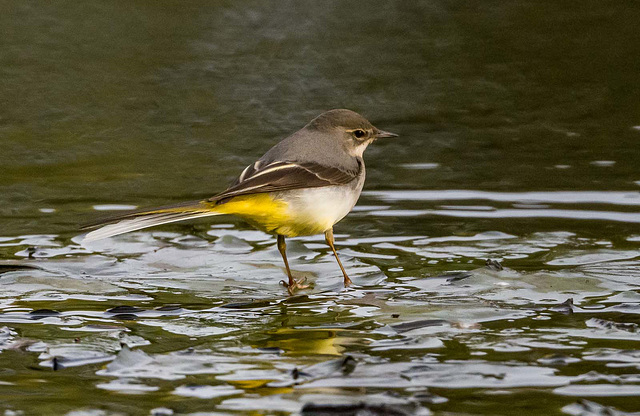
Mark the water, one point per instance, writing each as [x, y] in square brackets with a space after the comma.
[519, 143]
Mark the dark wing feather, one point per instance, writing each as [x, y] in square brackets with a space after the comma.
[282, 176]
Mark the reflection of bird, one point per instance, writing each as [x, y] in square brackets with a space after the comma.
[301, 186]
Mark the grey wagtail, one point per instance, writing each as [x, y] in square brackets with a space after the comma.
[301, 186]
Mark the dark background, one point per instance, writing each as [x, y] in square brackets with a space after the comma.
[146, 103]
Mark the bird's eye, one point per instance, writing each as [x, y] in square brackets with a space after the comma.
[359, 133]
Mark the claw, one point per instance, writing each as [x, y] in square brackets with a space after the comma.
[347, 281]
[297, 284]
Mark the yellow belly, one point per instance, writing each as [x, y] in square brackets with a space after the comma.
[260, 210]
[269, 215]
[290, 214]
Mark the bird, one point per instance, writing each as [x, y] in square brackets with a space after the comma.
[302, 186]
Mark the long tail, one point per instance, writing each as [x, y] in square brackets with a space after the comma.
[143, 219]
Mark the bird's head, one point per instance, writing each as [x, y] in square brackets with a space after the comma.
[349, 128]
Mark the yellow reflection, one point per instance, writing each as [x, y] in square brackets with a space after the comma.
[308, 341]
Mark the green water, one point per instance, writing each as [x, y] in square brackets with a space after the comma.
[519, 141]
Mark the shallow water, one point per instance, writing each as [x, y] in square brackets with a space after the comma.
[519, 134]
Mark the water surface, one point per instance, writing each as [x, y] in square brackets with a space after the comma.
[519, 143]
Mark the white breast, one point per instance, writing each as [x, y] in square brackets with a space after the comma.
[315, 210]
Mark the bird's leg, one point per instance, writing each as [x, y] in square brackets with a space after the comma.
[328, 236]
[293, 283]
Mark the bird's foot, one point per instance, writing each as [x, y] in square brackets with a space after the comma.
[347, 281]
[294, 285]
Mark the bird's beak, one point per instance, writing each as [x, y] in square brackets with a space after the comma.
[381, 134]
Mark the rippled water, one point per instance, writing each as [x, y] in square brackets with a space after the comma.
[495, 252]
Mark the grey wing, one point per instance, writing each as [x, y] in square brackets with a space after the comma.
[281, 176]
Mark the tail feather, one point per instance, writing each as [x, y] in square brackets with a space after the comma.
[144, 219]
